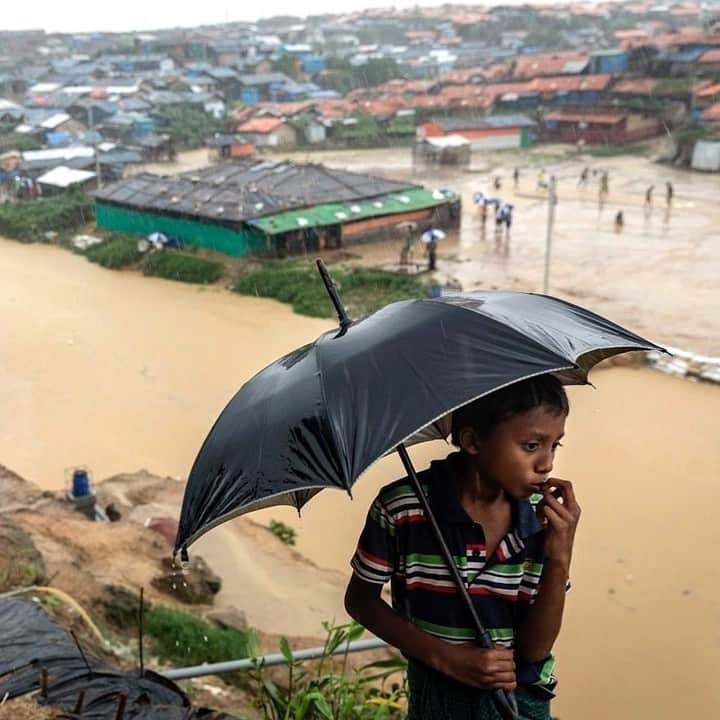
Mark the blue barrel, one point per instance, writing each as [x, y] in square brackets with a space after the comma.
[80, 483]
[435, 291]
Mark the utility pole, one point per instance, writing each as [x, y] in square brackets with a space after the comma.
[552, 202]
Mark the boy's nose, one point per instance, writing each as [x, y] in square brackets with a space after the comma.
[544, 467]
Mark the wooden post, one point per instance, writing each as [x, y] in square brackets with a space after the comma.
[120, 714]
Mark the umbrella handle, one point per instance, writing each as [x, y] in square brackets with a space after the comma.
[504, 699]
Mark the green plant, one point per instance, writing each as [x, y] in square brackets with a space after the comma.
[363, 290]
[184, 638]
[188, 125]
[182, 267]
[117, 252]
[17, 141]
[27, 220]
[327, 693]
[283, 531]
[174, 635]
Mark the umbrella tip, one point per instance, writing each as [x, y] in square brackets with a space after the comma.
[343, 317]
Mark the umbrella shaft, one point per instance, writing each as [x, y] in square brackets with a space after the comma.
[504, 701]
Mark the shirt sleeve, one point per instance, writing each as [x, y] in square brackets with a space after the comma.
[375, 558]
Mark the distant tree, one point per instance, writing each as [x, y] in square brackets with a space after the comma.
[344, 77]
[188, 125]
[16, 141]
[377, 71]
[287, 64]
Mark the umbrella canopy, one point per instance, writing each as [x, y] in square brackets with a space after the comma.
[320, 416]
[432, 234]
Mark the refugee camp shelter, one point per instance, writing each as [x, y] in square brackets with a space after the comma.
[253, 206]
[494, 132]
[63, 178]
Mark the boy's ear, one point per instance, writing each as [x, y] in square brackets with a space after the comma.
[469, 441]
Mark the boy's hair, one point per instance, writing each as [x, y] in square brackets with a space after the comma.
[487, 412]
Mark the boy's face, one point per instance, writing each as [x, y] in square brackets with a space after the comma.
[517, 456]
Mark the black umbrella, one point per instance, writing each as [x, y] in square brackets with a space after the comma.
[321, 415]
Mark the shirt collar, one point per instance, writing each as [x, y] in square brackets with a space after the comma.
[445, 503]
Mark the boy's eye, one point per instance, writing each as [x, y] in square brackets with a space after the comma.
[557, 445]
[531, 446]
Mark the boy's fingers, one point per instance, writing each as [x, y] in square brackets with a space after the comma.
[502, 651]
[558, 507]
[554, 518]
[567, 489]
[503, 678]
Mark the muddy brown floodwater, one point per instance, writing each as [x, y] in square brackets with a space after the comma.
[120, 372]
[661, 274]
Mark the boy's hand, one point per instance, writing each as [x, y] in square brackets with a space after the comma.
[559, 512]
[480, 668]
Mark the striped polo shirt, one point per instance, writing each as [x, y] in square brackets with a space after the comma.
[397, 545]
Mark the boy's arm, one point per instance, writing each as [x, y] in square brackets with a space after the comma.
[467, 664]
[539, 630]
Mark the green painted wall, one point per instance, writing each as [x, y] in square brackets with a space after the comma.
[525, 137]
[213, 237]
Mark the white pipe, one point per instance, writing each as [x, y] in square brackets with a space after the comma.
[268, 660]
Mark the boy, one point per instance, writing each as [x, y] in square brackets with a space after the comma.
[513, 553]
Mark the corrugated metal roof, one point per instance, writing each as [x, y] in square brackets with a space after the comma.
[482, 123]
[235, 191]
[340, 213]
[608, 118]
[64, 177]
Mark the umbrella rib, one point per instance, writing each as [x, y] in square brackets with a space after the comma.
[246, 509]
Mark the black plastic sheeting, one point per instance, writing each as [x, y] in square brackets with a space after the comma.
[320, 416]
[30, 640]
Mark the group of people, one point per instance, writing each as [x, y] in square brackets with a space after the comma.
[503, 212]
[21, 187]
[604, 189]
[669, 195]
[648, 204]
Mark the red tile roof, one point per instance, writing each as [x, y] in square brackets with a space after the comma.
[632, 34]
[708, 91]
[607, 118]
[530, 66]
[710, 56]
[261, 126]
[712, 114]
[461, 77]
[687, 36]
[639, 86]
[569, 83]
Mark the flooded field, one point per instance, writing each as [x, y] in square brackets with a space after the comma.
[661, 274]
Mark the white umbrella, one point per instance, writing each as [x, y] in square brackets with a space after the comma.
[157, 239]
[432, 234]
